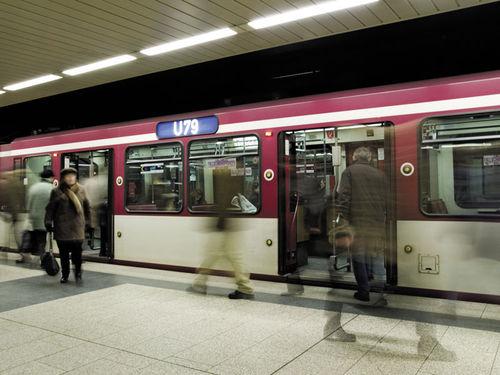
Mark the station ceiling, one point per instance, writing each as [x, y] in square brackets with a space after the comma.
[40, 37]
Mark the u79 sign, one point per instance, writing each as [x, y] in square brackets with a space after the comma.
[187, 127]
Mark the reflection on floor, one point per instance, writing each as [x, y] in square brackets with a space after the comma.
[125, 320]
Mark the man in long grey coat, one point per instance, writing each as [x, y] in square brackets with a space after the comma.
[362, 202]
[37, 199]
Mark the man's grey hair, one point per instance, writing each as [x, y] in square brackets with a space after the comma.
[362, 154]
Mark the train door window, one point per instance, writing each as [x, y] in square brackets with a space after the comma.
[460, 165]
[312, 163]
[94, 172]
[154, 178]
[33, 167]
[224, 174]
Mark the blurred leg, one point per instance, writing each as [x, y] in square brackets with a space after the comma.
[212, 255]
[235, 258]
[76, 256]
[360, 272]
[40, 238]
[64, 255]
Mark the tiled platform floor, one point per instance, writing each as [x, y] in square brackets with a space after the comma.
[125, 320]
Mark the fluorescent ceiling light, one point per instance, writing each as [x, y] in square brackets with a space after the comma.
[32, 82]
[2, 92]
[306, 12]
[99, 65]
[188, 42]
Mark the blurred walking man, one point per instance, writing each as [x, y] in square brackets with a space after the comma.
[362, 202]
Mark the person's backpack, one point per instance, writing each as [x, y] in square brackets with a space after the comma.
[49, 262]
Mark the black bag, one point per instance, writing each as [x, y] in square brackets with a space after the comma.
[49, 262]
[26, 242]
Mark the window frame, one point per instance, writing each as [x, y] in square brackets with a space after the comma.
[220, 136]
[480, 215]
[25, 160]
[125, 179]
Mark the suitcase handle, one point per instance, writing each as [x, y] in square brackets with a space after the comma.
[51, 247]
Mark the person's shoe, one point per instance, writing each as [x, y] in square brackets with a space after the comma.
[78, 276]
[240, 295]
[342, 336]
[64, 280]
[19, 261]
[197, 289]
[365, 297]
[381, 302]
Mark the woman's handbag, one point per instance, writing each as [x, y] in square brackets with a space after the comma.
[49, 262]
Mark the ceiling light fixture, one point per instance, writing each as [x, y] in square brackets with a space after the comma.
[306, 12]
[32, 82]
[2, 92]
[99, 65]
[188, 42]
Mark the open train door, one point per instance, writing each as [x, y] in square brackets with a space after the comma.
[311, 165]
[95, 174]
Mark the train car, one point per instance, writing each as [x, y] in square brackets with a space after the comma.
[154, 183]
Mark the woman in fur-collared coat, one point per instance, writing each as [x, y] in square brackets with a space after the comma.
[68, 216]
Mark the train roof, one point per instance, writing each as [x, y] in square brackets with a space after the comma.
[414, 92]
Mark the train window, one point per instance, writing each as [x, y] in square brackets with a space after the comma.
[225, 174]
[460, 165]
[33, 166]
[154, 178]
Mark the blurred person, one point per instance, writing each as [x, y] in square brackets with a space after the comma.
[315, 203]
[37, 199]
[12, 205]
[197, 198]
[224, 246]
[361, 202]
[255, 194]
[68, 216]
[103, 227]
[96, 189]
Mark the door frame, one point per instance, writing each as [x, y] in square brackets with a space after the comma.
[111, 197]
[391, 230]
[284, 266]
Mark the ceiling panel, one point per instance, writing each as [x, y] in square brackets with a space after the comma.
[40, 37]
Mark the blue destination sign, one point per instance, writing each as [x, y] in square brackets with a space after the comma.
[187, 127]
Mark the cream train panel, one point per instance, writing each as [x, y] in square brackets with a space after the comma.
[469, 255]
[183, 241]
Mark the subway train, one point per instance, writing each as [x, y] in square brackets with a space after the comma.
[154, 183]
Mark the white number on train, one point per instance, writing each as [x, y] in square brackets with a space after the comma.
[186, 127]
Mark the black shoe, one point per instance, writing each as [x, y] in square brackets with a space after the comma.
[365, 297]
[64, 280]
[239, 295]
[78, 276]
[19, 261]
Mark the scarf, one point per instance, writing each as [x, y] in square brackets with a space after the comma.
[71, 192]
